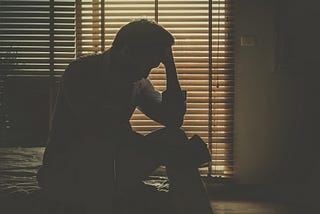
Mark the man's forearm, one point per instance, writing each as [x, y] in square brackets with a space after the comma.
[173, 85]
[173, 93]
[172, 108]
[173, 98]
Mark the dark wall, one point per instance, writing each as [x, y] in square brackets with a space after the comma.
[277, 93]
[27, 100]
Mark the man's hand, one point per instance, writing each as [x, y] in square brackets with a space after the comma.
[167, 59]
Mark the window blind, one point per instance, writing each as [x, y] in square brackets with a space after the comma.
[203, 55]
[204, 58]
[37, 37]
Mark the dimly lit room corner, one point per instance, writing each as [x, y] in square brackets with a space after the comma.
[276, 104]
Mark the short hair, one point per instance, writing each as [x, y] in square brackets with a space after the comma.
[143, 34]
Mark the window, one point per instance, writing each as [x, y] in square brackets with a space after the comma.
[40, 37]
[204, 59]
[37, 36]
[37, 42]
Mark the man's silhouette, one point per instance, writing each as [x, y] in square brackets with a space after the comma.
[93, 155]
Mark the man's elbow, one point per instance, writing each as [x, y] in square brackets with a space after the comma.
[173, 117]
[173, 122]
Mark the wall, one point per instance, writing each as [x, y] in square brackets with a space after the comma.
[276, 132]
[27, 103]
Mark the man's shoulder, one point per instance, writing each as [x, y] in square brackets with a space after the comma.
[87, 60]
[84, 67]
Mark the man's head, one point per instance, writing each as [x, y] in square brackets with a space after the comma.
[142, 44]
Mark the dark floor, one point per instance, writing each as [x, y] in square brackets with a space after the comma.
[258, 199]
[249, 207]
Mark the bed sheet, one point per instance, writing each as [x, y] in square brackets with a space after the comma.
[19, 166]
[19, 191]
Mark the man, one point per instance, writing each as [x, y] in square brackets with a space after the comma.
[93, 155]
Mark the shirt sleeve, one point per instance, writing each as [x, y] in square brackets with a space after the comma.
[165, 108]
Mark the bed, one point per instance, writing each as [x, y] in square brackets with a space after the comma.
[19, 191]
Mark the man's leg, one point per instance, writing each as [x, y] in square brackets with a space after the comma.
[186, 187]
[85, 178]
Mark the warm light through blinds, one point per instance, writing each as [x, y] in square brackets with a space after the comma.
[203, 54]
[41, 37]
[37, 37]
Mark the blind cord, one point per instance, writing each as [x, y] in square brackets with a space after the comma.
[217, 76]
[210, 88]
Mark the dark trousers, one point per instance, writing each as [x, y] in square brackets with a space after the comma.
[83, 179]
[162, 147]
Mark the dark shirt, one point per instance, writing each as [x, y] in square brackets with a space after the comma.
[91, 103]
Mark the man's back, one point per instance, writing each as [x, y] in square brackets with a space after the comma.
[75, 108]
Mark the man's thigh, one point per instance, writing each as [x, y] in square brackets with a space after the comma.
[132, 165]
[139, 159]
